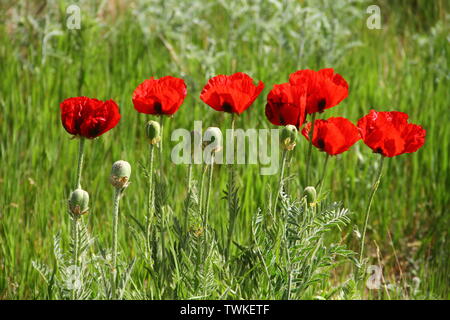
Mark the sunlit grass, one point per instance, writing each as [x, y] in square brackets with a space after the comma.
[404, 66]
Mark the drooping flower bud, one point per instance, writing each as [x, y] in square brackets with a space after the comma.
[79, 202]
[213, 137]
[120, 174]
[153, 130]
[289, 137]
[311, 195]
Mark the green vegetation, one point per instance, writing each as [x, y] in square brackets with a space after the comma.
[404, 66]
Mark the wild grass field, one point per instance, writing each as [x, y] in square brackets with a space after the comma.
[402, 66]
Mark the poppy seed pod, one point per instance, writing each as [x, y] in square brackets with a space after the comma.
[215, 144]
[120, 174]
[289, 137]
[311, 195]
[79, 202]
[153, 130]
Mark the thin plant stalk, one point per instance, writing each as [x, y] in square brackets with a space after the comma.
[202, 183]
[117, 194]
[208, 192]
[161, 123]
[369, 205]
[231, 182]
[189, 177]
[322, 177]
[189, 182]
[150, 202]
[75, 233]
[280, 181]
[206, 211]
[308, 158]
[75, 241]
[80, 162]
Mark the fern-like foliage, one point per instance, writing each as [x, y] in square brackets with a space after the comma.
[296, 260]
[69, 280]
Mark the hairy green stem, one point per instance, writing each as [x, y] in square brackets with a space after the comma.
[369, 205]
[289, 262]
[231, 183]
[186, 214]
[324, 169]
[117, 194]
[189, 177]
[150, 202]
[161, 124]
[308, 159]
[280, 181]
[202, 182]
[75, 231]
[80, 162]
[208, 193]
[75, 242]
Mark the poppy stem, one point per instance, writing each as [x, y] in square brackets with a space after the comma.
[189, 182]
[161, 123]
[80, 162]
[369, 205]
[75, 231]
[75, 245]
[324, 169]
[231, 189]
[150, 203]
[117, 194]
[202, 182]
[310, 138]
[208, 194]
[280, 181]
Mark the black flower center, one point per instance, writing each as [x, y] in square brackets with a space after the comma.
[227, 107]
[320, 143]
[378, 150]
[321, 104]
[158, 107]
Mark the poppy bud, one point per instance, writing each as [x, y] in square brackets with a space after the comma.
[216, 143]
[120, 174]
[289, 137]
[311, 195]
[153, 132]
[79, 202]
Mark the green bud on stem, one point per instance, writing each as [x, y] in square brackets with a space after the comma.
[120, 174]
[288, 137]
[311, 195]
[78, 202]
[153, 130]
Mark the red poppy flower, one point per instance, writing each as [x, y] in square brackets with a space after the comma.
[325, 89]
[89, 118]
[160, 96]
[390, 134]
[286, 105]
[232, 94]
[334, 135]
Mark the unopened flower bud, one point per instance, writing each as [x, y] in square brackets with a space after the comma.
[288, 137]
[153, 132]
[311, 195]
[120, 174]
[216, 145]
[78, 202]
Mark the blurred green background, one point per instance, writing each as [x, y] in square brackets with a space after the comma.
[402, 66]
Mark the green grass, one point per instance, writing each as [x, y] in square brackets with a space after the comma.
[402, 67]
